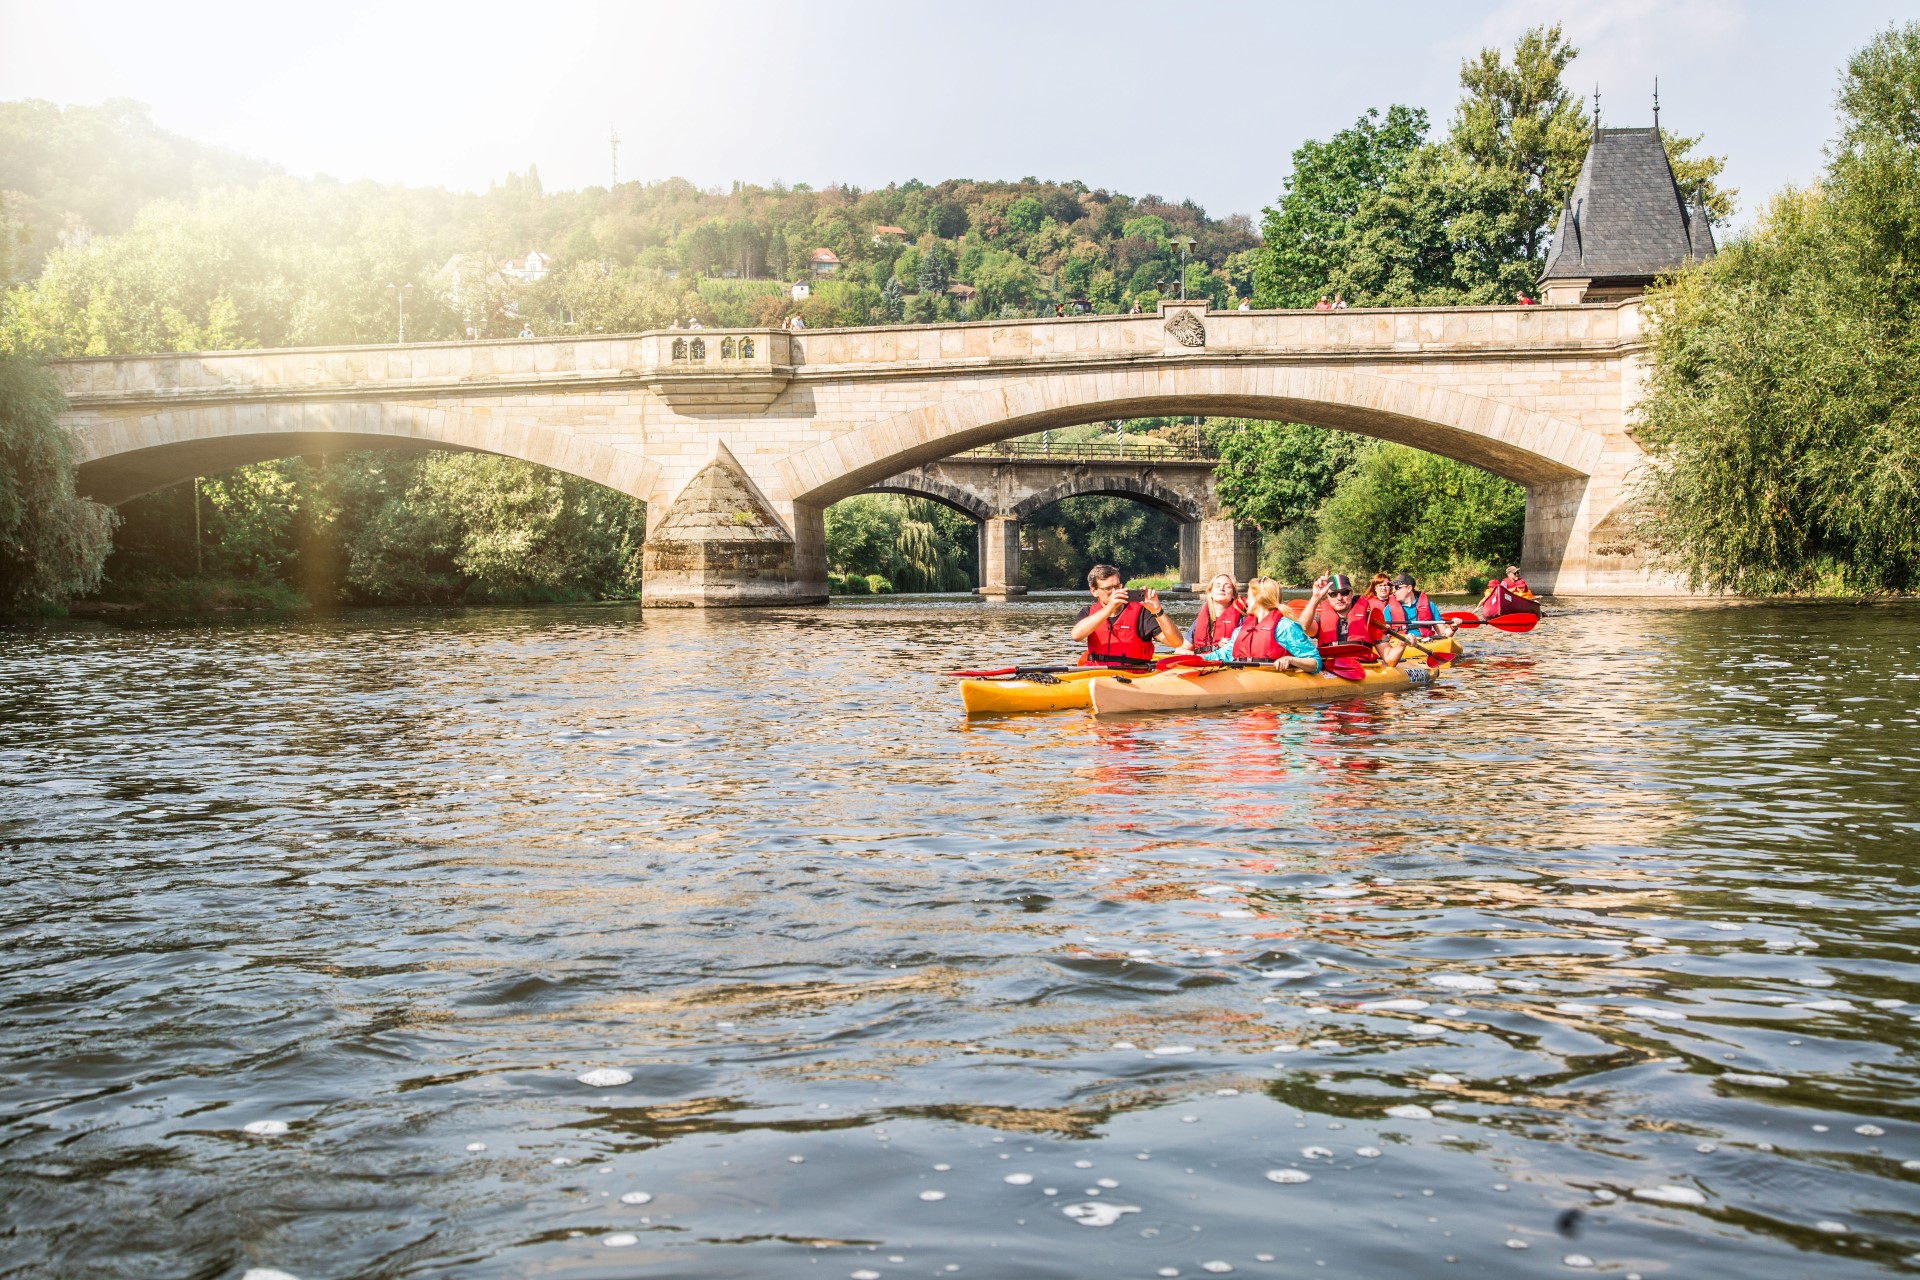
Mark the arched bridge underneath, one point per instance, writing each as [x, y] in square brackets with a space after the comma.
[1004, 486]
[739, 440]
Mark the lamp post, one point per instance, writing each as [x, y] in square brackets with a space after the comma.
[400, 292]
[1186, 244]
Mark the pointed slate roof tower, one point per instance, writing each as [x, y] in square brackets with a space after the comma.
[1624, 223]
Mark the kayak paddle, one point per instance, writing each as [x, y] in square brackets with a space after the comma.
[1515, 622]
[1433, 659]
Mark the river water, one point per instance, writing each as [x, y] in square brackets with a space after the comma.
[902, 994]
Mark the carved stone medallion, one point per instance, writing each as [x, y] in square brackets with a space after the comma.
[1187, 329]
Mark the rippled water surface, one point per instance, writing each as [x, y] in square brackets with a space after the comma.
[1598, 956]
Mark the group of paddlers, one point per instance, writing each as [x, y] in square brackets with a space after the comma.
[1122, 627]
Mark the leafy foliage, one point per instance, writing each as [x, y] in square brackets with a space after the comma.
[913, 543]
[1442, 520]
[1780, 404]
[52, 543]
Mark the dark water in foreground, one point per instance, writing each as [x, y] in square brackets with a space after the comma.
[903, 995]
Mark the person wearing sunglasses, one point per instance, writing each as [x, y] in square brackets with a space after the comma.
[1332, 615]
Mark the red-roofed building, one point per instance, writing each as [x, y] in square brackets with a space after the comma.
[824, 261]
[882, 234]
[528, 269]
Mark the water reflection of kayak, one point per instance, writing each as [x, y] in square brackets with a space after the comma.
[1190, 689]
[1071, 690]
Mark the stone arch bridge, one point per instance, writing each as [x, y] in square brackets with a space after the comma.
[1002, 487]
[739, 440]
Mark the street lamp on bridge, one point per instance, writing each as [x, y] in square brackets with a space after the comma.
[400, 292]
[1185, 244]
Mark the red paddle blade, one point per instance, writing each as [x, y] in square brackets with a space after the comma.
[1344, 668]
[1182, 660]
[1516, 622]
[1345, 651]
[983, 675]
[1461, 618]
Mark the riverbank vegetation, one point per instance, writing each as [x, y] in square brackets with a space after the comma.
[1782, 402]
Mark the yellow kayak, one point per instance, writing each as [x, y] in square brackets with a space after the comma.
[1194, 688]
[1064, 691]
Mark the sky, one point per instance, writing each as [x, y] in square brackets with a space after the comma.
[1202, 102]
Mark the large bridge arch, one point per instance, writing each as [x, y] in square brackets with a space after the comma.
[1528, 447]
[125, 457]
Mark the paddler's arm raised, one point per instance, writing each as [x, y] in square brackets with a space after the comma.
[1169, 634]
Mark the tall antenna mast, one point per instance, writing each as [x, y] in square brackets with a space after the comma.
[613, 140]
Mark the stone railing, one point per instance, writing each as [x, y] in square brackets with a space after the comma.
[1137, 449]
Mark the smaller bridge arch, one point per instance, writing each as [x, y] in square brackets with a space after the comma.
[918, 484]
[1144, 488]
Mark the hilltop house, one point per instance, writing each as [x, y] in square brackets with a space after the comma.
[883, 235]
[824, 262]
[528, 269]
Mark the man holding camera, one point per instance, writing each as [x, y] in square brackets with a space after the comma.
[1120, 626]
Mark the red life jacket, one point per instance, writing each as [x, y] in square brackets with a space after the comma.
[1209, 631]
[1258, 639]
[1120, 637]
[1352, 627]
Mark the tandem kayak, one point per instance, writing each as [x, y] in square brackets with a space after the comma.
[1194, 688]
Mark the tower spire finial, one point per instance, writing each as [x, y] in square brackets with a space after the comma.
[1596, 104]
[1656, 102]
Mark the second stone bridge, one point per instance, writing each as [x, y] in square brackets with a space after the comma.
[1009, 483]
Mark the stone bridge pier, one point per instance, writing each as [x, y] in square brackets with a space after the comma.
[1001, 490]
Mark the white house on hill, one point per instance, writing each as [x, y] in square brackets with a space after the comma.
[528, 269]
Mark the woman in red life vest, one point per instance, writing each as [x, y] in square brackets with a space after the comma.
[1220, 613]
[1269, 634]
[1120, 631]
[1332, 615]
[1410, 610]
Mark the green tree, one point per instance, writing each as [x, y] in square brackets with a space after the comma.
[1402, 509]
[1518, 120]
[1305, 234]
[936, 267]
[1276, 474]
[1780, 406]
[1025, 215]
[53, 543]
[894, 299]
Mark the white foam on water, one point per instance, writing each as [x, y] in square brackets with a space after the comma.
[1217, 1266]
[1409, 1111]
[1579, 1261]
[1370, 1153]
[1518, 1244]
[1018, 1179]
[621, 1240]
[1235, 913]
[1754, 1081]
[637, 1197]
[561, 1160]
[1392, 1006]
[267, 1273]
[1170, 1050]
[1669, 1194]
[1519, 984]
[933, 1195]
[476, 1146]
[1888, 1004]
[1574, 1006]
[1726, 926]
[1168, 1271]
[1098, 1213]
[1109, 1183]
[1427, 1029]
[1323, 1044]
[1604, 1196]
[1826, 1006]
[1317, 1153]
[1212, 890]
[863, 1274]
[1289, 1177]
[1083, 1164]
[1655, 1012]
[1830, 1227]
[1868, 1130]
[1442, 1078]
[605, 1077]
[1463, 982]
[264, 1128]
[1815, 982]
[1125, 1044]
[796, 1159]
